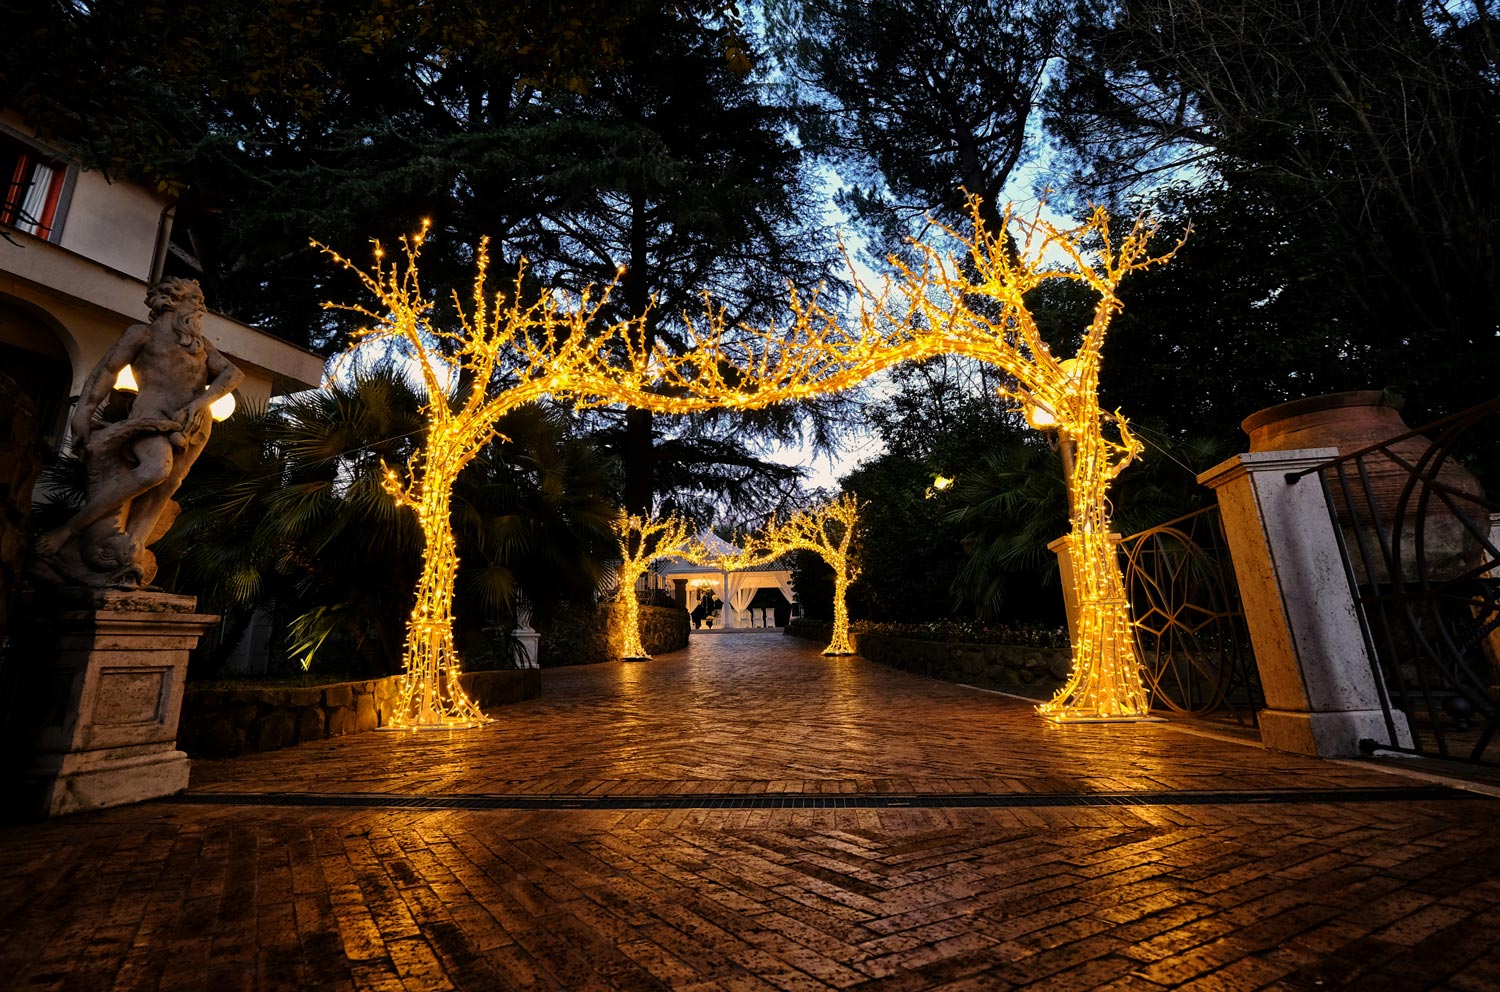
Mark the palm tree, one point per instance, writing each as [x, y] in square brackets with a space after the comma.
[286, 510]
[1013, 501]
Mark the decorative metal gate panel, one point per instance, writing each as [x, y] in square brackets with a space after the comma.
[1189, 623]
[1419, 535]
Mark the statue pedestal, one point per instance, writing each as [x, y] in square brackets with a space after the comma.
[530, 644]
[107, 701]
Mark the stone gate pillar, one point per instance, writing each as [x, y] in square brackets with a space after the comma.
[1322, 696]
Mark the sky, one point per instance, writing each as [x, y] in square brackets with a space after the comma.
[1023, 191]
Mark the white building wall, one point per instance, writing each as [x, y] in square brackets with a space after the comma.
[114, 224]
[87, 283]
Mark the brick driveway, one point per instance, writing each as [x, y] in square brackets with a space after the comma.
[1011, 876]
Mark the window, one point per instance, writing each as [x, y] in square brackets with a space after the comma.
[33, 188]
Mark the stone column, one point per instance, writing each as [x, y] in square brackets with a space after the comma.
[1059, 548]
[1322, 696]
[107, 698]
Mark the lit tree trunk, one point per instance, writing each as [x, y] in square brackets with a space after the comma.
[631, 648]
[1105, 680]
[840, 643]
[430, 693]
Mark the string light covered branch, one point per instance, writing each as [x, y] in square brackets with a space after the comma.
[974, 305]
[642, 541]
[534, 348]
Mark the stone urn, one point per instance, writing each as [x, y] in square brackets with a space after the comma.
[1355, 420]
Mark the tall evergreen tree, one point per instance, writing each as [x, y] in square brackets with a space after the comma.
[678, 169]
[1369, 130]
[920, 100]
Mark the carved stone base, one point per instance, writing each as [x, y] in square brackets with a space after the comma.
[106, 723]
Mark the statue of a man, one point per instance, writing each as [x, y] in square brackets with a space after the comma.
[135, 465]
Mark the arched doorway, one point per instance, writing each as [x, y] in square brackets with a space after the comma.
[35, 375]
[33, 358]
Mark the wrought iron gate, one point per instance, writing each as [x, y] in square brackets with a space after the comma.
[1189, 623]
[1418, 535]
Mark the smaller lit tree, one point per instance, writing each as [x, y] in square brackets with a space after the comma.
[826, 530]
[642, 541]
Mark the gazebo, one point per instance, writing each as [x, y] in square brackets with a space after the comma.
[734, 587]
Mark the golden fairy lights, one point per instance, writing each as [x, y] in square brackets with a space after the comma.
[642, 541]
[827, 531]
[971, 305]
[540, 343]
[976, 307]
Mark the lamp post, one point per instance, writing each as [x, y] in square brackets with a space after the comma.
[940, 484]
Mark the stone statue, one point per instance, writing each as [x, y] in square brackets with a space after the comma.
[135, 465]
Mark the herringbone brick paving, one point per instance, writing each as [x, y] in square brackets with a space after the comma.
[175, 896]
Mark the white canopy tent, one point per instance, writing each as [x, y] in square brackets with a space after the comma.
[734, 588]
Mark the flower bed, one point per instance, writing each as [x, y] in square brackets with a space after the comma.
[1028, 659]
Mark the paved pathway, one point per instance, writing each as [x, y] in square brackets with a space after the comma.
[1006, 881]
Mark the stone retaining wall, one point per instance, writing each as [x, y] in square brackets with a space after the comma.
[222, 723]
[578, 635]
[990, 666]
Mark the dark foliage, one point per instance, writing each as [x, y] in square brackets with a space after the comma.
[285, 511]
[1345, 152]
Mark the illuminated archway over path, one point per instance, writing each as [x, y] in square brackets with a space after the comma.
[973, 304]
[970, 305]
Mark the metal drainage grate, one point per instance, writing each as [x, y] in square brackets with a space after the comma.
[813, 800]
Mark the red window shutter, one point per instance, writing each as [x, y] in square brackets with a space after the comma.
[16, 191]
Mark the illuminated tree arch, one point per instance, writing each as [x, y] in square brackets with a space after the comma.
[826, 530]
[972, 306]
[642, 541]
